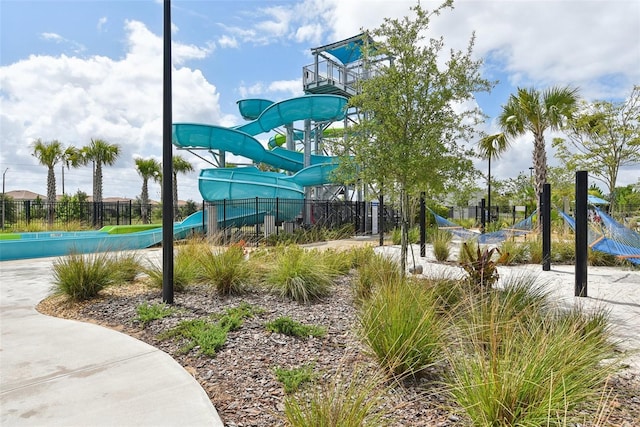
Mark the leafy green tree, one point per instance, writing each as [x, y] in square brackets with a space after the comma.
[601, 138]
[412, 115]
[100, 152]
[180, 165]
[628, 197]
[147, 169]
[535, 112]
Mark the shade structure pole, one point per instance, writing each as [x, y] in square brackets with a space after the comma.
[167, 164]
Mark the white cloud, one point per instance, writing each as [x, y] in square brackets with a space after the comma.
[74, 99]
[228, 42]
[101, 23]
[279, 89]
[52, 36]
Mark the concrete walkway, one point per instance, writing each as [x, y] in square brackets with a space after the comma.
[56, 372]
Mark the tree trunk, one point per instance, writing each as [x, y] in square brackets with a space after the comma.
[97, 184]
[51, 195]
[404, 231]
[540, 167]
[175, 196]
[144, 202]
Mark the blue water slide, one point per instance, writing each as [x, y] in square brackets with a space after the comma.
[240, 140]
[50, 244]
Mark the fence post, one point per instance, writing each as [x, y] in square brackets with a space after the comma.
[381, 220]
[27, 211]
[545, 206]
[423, 220]
[277, 214]
[257, 223]
[581, 234]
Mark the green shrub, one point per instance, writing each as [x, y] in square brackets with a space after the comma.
[401, 326]
[338, 261]
[345, 401]
[361, 255]
[297, 274]
[535, 250]
[185, 272]
[481, 268]
[441, 245]
[127, 265]
[292, 379]
[209, 337]
[149, 312]
[528, 366]
[413, 235]
[563, 251]
[597, 258]
[378, 271]
[226, 270]
[514, 252]
[287, 326]
[82, 276]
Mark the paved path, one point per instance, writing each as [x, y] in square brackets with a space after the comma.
[57, 372]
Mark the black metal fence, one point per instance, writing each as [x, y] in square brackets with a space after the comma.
[25, 215]
[287, 214]
[257, 218]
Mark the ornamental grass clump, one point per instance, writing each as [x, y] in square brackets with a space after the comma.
[530, 364]
[127, 265]
[374, 271]
[347, 400]
[441, 241]
[82, 276]
[299, 275]
[185, 271]
[402, 328]
[226, 270]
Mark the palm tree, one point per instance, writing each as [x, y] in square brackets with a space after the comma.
[147, 169]
[49, 154]
[533, 111]
[492, 147]
[72, 157]
[180, 165]
[100, 152]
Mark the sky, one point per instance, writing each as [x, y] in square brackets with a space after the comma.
[85, 69]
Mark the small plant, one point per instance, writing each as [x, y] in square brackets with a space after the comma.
[292, 379]
[185, 271]
[482, 270]
[127, 265]
[287, 326]
[361, 255]
[149, 312]
[81, 277]
[228, 271]
[402, 328]
[233, 318]
[337, 261]
[514, 252]
[297, 274]
[209, 337]
[413, 236]
[345, 401]
[376, 272]
[560, 357]
[441, 241]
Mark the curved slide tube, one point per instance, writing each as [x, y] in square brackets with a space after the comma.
[240, 140]
[50, 244]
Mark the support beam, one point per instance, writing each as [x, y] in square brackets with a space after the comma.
[423, 226]
[545, 207]
[581, 234]
[167, 165]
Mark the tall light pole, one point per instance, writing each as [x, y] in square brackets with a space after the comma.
[4, 197]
